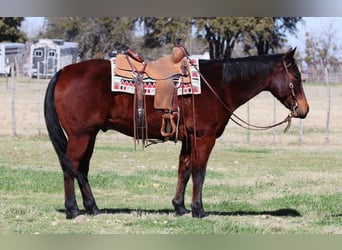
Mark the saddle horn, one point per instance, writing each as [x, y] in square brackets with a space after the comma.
[178, 44]
[134, 55]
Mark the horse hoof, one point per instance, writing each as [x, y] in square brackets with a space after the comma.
[93, 211]
[198, 213]
[203, 215]
[72, 214]
[96, 212]
[180, 209]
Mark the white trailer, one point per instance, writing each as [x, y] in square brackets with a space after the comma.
[50, 55]
[11, 54]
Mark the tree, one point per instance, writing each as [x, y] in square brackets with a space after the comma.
[322, 48]
[222, 33]
[66, 28]
[259, 35]
[310, 50]
[10, 30]
[266, 34]
[104, 34]
[321, 52]
[258, 38]
[96, 36]
[163, 31]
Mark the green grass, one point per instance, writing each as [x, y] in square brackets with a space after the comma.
[29, 180]
[248, 189]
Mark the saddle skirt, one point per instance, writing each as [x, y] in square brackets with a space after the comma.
[159, 77]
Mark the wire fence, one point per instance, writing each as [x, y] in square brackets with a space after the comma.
[21, 114]
[21, 106]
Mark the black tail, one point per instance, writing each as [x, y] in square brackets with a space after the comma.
[56, 133]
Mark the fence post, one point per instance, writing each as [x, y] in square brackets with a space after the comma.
[329, 104]
[38, 101]
[248, 120]
[14, 129]
[274, 130]
[300, 132]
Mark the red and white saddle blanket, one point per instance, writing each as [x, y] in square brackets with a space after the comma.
[126, 85]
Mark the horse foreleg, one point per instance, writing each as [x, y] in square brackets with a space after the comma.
[199, 163]
[183, 178]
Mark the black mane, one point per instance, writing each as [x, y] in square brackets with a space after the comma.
[246, 67]
[243, 68]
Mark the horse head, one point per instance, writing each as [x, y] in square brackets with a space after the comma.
[287, 86]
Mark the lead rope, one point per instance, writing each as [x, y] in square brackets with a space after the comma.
[243, 123]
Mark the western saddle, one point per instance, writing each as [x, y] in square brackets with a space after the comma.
[169, 72]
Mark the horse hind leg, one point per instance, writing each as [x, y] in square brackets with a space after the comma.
[87, 195]
[70, 203]
[79, 152]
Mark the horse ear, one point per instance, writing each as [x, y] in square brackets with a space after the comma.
[289, 55]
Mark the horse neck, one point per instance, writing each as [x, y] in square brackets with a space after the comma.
[241, 91]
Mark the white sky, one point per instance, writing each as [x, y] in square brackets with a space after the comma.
[32, 25]
[316, 26]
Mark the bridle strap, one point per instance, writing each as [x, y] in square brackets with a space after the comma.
[291, 86]
[239, 121]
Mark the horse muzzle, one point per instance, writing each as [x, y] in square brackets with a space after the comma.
[301, 110]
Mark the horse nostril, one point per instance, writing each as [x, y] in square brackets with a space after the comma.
[300, 113]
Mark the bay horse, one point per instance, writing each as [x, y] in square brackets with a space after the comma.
[79, 103]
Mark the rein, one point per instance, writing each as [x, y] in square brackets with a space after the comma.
[242, 123]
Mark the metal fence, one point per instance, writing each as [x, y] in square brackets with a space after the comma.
[21, 114]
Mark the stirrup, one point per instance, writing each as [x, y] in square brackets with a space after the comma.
[163, 131]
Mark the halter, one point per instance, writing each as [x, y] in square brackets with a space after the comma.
[242, 123]
[294, 104]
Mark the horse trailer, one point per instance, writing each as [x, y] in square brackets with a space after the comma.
[11, 55]
[50, 55]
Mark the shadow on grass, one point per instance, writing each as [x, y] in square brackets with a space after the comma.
[336, 215]
[285, 212]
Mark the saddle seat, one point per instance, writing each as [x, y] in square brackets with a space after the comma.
[163, 70]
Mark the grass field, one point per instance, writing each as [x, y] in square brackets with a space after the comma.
[272, 184]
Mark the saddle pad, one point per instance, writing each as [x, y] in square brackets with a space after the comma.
[126, 84]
